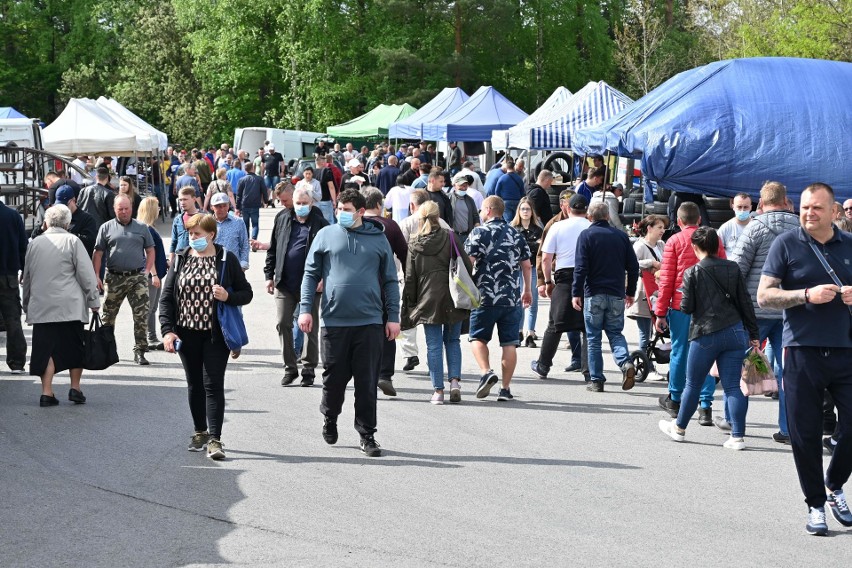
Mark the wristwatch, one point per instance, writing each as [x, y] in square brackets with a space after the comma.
[548, 282]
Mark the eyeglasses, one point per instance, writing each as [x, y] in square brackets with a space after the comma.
[847, 208]
[524, 209]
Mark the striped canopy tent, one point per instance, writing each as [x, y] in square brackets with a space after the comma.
[444, 103]
[591, 105]
[518, 136]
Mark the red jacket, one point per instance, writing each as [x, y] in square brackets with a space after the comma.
[677, 257]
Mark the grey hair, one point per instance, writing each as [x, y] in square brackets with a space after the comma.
[302, 191]
[544, 175]
[58, 216]
[373, 196]
[599, 211]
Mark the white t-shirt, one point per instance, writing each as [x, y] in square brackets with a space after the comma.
[561, 240]
[477, 182]
[74, 174]
[397, 200]
[729, 232]
[477, 198]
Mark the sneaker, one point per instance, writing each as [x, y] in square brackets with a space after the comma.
[573, 367]
[829, 445]
[437, 397]
[839, 508]
[816, 522]
[734, 444]
[628, 376]
[539, 370]
[657, 377]
[16, 371]
[329, 431]
[705, 416]
[504, 395]
[781, 438]
[288, 379]
[386, 386]
[595, 386]
[307, 381]
[410, 363]
[139, 358]
[669, 405]
[370, 447]
[670, 429]
[721, 423]
[215, 449]
[48, 400]
[198, 441]
[76, 396]
[487, 381]
[455, 391]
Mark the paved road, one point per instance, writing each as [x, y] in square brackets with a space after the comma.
[559, 476]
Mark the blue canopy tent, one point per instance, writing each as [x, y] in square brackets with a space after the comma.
[727, 127]
[9, 112]
[486, 110]
[518, 135]
[445, 102]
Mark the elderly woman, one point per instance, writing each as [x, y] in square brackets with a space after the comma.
[220, 185]
[60, 287]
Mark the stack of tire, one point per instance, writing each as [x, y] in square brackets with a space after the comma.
[718, 210]
[560, 164]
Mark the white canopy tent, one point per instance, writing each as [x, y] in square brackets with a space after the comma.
[84, 129]
[161, 140]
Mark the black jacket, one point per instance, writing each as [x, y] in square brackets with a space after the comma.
[445, 205]
[280, 240]
[234, 279]
[83, 225]
[705, 299]
[541, 203]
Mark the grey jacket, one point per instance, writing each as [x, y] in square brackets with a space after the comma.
[59, 279]
[752, 248]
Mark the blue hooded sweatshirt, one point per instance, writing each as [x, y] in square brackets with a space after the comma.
[361, 282]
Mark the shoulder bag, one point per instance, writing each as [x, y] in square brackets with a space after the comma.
[464, 292]
[231, 318]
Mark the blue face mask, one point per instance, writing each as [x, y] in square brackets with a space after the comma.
[302, 210]
[346, 219]
[198, 244]
[743, 215]
[461, 192]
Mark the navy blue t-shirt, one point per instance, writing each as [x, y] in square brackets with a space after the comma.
[793, 261]
[294, 260]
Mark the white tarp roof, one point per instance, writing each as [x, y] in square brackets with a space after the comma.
[83, 128]
[160, 139]
[518, 135]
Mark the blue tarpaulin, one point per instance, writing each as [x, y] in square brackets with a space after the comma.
[9, 112]
[444, 103]
[484, 111]
[727, 127]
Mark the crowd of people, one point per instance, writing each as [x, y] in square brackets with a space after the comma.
[361, 259]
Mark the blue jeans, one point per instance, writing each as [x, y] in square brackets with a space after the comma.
[251, 215]
[532, 311]
[679, 329]
[444, 336]
[327, 209]
[727, 348]
[604, 313]
[298, 338]
[271, 182]
[645, 332]
[511, 207]
[575, 341]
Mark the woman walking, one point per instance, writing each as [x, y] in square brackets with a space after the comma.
[128, 188]
[202, 275]
[148, 212]
[219, 185]
[60, 288]
[427, 300]
[723, 324]
[526, 221]
[649, 251]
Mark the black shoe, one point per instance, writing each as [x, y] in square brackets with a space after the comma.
[828, 428]
[329, 431]
[504, 395]
[48, 400]
[307, 381]
[287, 380]
[721, 423]
[670, 406]
[139, 358]
[573, 367]
[521, 337]
[370, 447]
[827, 443]
[705, 416]
[486, 381]
[595, 386]
[539, 370]
[76, 396]
[530, 341]
[410, 363]
[386, 386]
[781, 438]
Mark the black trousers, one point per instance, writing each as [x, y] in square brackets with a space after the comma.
[563, 317]
[352, 353]
[10, 311]
[808, 373]
[388, 358]
[204, 363]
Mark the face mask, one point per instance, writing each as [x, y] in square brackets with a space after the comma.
[302, 210]
[198, 244]
[461, 192]
[743, 215]
[346, 219]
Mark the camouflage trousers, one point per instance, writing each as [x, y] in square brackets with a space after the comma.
[134, 287]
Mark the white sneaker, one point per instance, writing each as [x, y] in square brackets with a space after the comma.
[655, 376]
[670, 429]
[734, 443]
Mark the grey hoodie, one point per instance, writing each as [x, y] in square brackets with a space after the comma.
[361, 284]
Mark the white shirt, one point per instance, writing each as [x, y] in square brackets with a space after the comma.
[477, 182]
[477, 198]
[729, 232]
[313, 187]
[612, 203]
[562, 238]
[398, 200]
[74, 174]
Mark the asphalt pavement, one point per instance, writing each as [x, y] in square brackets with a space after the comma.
[559, 476]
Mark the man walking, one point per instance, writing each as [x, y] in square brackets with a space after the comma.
[808, 275]
[603, 256]
[97, 200]
[13, 251]
[127, 242]
[355, 263]
[251, 196]
[230, 231]
[538, 196]
[454, 159]
[180, 236]
[510, 188]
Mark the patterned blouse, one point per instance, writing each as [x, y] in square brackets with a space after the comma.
[195, 290]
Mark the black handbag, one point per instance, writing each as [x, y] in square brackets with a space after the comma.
[99, 350]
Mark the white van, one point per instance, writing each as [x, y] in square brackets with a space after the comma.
[292, 144]
[20, 132]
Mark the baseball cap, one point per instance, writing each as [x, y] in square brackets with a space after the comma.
[219, 199]
[63, 195]
[353, 163]
[578, 202]
[462, 178]
[271, 147]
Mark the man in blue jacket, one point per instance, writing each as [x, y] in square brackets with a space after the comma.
[251, 196]
[603, 256]
[354, 260]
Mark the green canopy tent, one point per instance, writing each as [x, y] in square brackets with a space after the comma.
[371, 125]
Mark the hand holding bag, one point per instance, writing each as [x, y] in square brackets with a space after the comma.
[99, 349]
[464, 292]
[757, 376]
[231, 319]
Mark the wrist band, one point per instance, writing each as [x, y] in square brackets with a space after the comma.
[807, 296]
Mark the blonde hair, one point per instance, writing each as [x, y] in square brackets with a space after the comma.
[148, 211]
[204, 220]
[429, 215]
[534, 220]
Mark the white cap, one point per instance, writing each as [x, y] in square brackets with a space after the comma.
[353, 163]
[271, 147]
[220, 198]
